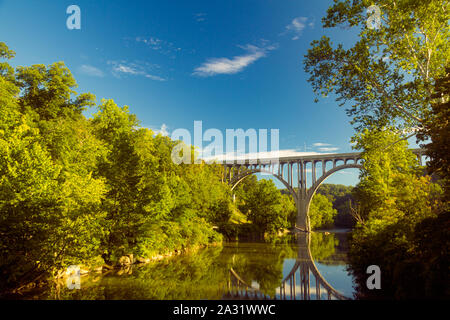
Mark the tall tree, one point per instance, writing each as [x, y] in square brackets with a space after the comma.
[49, 201]
[395, 200]
[385, 77]
[436, 128]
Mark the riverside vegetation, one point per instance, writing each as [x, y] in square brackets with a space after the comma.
[101, 191]
[395, 82]
[78, 190]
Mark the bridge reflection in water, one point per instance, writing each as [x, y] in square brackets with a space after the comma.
[295, 286]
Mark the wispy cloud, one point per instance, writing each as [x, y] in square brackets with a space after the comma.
[236, 155]
[331, 149]
[91, 71]
[297, 25]
[120, 68]
[214, 66]
[321, 144]
[200, 17]
[324, 147]
[347, 172]
[162, 46]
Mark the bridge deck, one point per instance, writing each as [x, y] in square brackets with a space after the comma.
[243, 160]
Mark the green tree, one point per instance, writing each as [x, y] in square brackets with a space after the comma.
[321, 212]
[436, 128]
[341, 197]
[389, 184]
[289, 208]
[264, 207]
[394, 200]
[385, 76]
[49, 201]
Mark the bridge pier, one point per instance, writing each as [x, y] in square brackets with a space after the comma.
[236, 171]
[302, 222]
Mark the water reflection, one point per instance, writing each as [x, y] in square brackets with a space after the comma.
[279, 270]
[303, 282]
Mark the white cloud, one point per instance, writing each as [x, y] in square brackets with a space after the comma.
[153, 77]
[200, 17]
[162, 46]
[261, 155]
[297, 26]
[328, 149]
[214, 66]
[125, 69]
[320, 144]
[346, 172]
[91, 71]
[135, 69]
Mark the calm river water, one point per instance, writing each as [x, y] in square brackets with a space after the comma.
[233, 271]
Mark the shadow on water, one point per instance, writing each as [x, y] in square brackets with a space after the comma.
[289, 268]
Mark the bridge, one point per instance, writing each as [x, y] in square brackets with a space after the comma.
[292, 172]
[295, 286]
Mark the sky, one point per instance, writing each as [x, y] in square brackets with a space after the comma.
[230, 64]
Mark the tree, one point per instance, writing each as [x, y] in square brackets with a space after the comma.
[436, 128]
[49, 200]
[385, 76]
[264, 207]
[395, 200]
[341, 197]
[390, 185]
[289, 208]
[321, 212]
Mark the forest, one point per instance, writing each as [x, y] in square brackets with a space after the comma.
[90, 191]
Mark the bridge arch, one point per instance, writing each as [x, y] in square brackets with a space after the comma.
[241, 177]
[313, 189]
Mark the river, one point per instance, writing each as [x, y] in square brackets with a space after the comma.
[233, 271]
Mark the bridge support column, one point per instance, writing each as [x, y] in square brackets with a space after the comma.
[302, 214]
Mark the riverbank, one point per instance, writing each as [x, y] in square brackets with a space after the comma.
[123, 266]
[201, 274]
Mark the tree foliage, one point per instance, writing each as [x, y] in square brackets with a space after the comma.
[265, 207]
[395, 201]
[385, 76]
[85, 191]
[342, 199]
[321, 212]
[436, 128]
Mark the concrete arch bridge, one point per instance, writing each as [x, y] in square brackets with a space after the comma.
[293, 172]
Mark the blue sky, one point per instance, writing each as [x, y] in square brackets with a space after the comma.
[230, 64]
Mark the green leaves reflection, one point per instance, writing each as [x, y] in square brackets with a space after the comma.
[203, 274]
